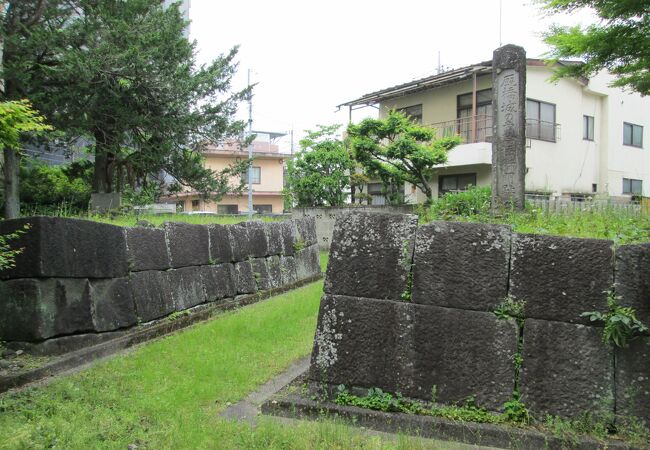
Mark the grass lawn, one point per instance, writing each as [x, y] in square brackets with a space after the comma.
[129, 220]
[168, 393]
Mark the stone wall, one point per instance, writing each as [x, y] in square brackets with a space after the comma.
[79, 277]
[326, 217]
[410, 307]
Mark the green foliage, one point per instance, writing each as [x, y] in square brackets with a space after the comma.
[510, 308]
[618, 42]
[472, 202]
[46, 187]
[622, 227]
[515, 411]
[298, 245]
[122, 75]
[621, 324]
[319, 174]
[16, 119]
[7, 253]
[379, 400]
[397, 150]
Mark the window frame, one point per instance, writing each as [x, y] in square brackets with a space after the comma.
[414, 118]
[632, 126]
[221, 207]
[259, 177]
[442, 192]
[631, 190]
[586, 121]
[539, 120]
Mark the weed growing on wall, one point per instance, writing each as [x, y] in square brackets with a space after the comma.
[298, 245]
[621, 324]
[510, 308]
[378, 400]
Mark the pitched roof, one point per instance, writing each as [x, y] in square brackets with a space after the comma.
[433, 81]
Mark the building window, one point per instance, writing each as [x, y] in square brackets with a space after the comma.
[588, 128]
[594, 187]
[455, 183]
[263, 209]
[227, 209]
[632, 135]
[376, 193]
[196, 204]
[631, 186]
[540, 120]
[483, 116]
[256, 175]
[412, 112]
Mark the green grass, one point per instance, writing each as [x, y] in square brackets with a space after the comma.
[473, 205]
[168, 393]
[130, 220]
[324, 258]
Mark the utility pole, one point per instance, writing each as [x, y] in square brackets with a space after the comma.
[250, 149]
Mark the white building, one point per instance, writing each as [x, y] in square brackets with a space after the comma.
[583, 137]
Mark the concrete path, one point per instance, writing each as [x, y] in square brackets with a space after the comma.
[248, 409]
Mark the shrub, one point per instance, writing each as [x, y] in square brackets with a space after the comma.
[43, 186]
[472, 202]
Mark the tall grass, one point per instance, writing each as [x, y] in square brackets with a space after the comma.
[473, 205]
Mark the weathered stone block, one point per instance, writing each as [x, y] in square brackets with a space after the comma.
[274, 238]
[81, 249]
[112, 304]
[220, 245]
[258, 243]
[152, 295]
[463, 354]
[288, 231]
[261, 274]
[461, 265]
[559, 278]
[307, 262]
[146, 249]
[245, 278]
[632, 279]
[188, 244]
[274, 268]
[33, 310]
[633, 380]
[371, 255]
[356, 342]
[305, 231]
[288, 270]
[219, 281]
[248, 240]
[567, 369]
[187, 287]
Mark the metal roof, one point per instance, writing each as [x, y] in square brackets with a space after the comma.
[441, 79]
[435, 81]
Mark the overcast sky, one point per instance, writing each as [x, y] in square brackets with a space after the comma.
[307, 57]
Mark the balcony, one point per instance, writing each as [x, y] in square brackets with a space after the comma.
[472, 129]
[478, 128]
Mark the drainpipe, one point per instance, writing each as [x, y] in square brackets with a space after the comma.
[474, 82]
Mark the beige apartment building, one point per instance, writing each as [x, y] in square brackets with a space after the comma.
[267, 178]
[584, 138]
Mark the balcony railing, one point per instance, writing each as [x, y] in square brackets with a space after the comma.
[472, 129]
[479, 129]
[543, 131]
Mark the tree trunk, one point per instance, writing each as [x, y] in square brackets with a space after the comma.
[11, 183]
[104, 164]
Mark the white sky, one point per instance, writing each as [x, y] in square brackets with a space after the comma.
[307, 57]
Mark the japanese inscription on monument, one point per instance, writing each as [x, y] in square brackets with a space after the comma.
[508, 147]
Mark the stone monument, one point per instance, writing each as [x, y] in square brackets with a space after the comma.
[509, 126]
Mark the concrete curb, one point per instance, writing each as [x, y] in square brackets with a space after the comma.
[140, 334]
[297, 406]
